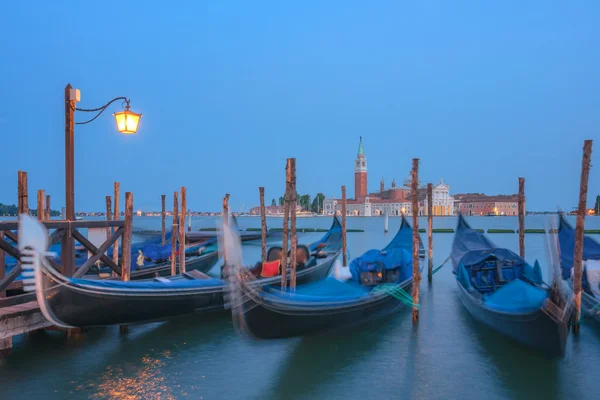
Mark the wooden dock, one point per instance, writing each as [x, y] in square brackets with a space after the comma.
[18, 319]
[21, 314]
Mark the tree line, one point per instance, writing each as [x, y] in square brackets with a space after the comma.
[11, 210]
[316, 205]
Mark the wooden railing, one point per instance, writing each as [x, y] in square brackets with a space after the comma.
[60, 231]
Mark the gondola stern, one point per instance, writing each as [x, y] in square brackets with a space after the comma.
[33, 245]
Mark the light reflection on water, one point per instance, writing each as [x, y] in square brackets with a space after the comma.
[447, 355]
[142, 380]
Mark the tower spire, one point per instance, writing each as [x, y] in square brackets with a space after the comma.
[361, 151]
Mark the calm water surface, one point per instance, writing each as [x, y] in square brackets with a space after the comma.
[446, 356]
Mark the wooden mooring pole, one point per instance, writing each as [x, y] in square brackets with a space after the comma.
[126, 268]
[286, 216]
[293, 238]
[174, 235]
[48, 213]
[415, 241]
[344, 244]
[126, 259]
[163, 216]
[182, 230]
[2, 265]
[108, 215]
[40, 205]
[578, 256]
[429, 232]
[23, 207]
[225, 225]
[117, 188]
[263, 226]
[522, 217]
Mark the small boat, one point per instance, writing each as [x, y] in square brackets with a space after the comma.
[153, 260]
[590, 296]
[504, 292]
[73, 302]
[378, 288]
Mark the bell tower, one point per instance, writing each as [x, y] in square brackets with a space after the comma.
[360, 174]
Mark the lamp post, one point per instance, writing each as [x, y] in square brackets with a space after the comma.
[127, 123]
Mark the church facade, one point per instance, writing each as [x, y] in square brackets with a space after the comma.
[396, 200]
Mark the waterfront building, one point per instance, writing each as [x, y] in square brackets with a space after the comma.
[395, 200]
[272, 210]
[480, 204]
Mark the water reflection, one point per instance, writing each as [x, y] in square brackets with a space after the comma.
[524, 373]
[317, 361]
[136, 368]
[143, 380]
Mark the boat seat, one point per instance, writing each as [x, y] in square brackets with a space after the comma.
[195, 274]
[161, 279]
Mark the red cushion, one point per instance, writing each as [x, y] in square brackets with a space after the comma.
[270, 269]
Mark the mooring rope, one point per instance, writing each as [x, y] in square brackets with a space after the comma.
[397, 292]
[438, 268]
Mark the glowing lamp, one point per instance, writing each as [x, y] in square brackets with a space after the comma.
[127, 121]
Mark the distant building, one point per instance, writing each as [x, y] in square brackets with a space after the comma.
[393, 201]
[271, 210]
[597, 206]
[481, 204]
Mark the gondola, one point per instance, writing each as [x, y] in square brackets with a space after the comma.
[504, 292]
[153, 260]
[590, 297]
[379, 285]
[72, 302]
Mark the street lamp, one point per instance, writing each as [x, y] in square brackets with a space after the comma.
[127, 123]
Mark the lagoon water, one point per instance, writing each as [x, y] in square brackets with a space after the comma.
[447, 355]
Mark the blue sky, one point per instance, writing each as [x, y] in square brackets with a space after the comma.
[481, 91]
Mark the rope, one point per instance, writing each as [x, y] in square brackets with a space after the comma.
[438, 268]
[591, 312]
[397, 292]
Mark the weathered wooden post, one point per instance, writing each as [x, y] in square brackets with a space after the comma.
[263, 226]
[23, 195]
[429, 231]
[344, 245]
[225, 224]
[126, 259]
[578, 256]
[182, 231]
[108, 214]
[126, 268]
[48, 213]
[40, 205]
[522, 217]
[189, 213]
[116, 218]
[415, 229]
[293, 238]
[2, 265]
[19, 193]
[286, 216]
[174, 235]
[163, 215]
